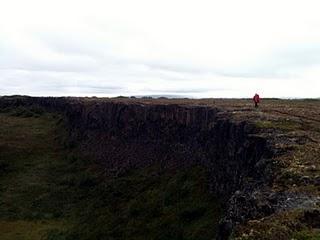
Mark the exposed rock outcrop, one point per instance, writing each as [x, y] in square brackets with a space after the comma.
[122, 135]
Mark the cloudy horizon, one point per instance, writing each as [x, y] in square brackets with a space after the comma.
[188, 48]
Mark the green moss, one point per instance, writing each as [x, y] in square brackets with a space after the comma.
[280, 226]
[307, 235]
[138, 206]
[29, 230]
[284, 125]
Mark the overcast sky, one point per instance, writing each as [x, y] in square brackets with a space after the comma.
[143, 47]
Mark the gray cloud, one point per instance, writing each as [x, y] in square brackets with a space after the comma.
[87, 51]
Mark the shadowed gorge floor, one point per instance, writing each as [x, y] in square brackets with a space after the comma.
[47, 192]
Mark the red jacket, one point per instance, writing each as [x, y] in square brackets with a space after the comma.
[256, 98]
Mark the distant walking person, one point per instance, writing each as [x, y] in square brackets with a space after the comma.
[256, 99]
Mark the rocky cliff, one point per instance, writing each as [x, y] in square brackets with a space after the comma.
[122, 135]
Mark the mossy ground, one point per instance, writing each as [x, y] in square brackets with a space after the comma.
[281, 226]
[297, 171]
[48, 192]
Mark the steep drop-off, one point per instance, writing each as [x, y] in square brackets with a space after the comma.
[125, 135]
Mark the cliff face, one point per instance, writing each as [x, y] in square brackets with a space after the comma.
[125, 136]
[122, 136]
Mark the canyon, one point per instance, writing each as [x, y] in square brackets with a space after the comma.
[243, 156]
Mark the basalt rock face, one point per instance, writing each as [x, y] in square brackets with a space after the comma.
[126, 135]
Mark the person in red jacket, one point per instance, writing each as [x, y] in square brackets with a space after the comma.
[256, 99]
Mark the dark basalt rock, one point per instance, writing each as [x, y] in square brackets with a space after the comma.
[312, 218]
[122, 136]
